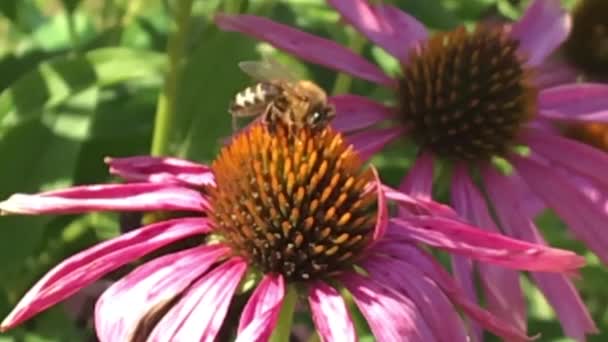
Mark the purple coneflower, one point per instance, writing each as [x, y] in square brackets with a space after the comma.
[471, 98]
[281, 216]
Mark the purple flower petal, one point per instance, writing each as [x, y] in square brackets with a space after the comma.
[304, 45]
[417, 205]
[84, 268]
[460, 238]
[541, 30]
[382, 215]
[462, 268]
[118, 197]
[558, 290]
[357, 112]
[419, 179]
[200, 313]
[161, 170]
[554, 72]
[590, 161]
[583, 216]
[437, 310]
[502, 289]
[380, 304]
[126, 302]
[585, 102]
[260, 314]
[432, 269]
[330, 314]
[370, 141]
[389, 27]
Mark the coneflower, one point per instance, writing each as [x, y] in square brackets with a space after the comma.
[284, 216]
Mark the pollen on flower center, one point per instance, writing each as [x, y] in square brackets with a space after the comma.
[466, 94]
[298, 204]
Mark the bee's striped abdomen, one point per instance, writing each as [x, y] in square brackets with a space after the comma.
[254, 98]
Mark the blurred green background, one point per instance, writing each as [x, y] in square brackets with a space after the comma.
[80, 80]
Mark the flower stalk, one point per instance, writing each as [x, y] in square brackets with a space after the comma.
[165, 109]
[283, 329]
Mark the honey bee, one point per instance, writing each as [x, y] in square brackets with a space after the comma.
[280, 97]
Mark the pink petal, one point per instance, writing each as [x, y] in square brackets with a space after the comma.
[357, 112]
[164, 170]
[118, 197]
[502, 288]
[391, 316]
[405, 252]
[583, 216]
[583, 102]
[554, 72]
[417, 205]
[462, 268]
[260, 314]
[382, 215]
[126, 302]
[541, 30]
[389, 27]
[590, 161]
[84, 268]
[371, 141]
[460, 238]
[304, 45]
[436, 309]
[419, 180]
[200, 313]
[558, 290]
[330, 314]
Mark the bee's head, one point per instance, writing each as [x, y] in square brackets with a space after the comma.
[320, 115]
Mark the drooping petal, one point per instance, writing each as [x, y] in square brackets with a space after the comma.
[330, 314]
[405, 252]
[380, 304]
[304, 45]
[437, 310]
[260, 314]
[371, 141]
[84, 268]
[460, 238]
[389, 27]
[118, 197]
[554, 72]
[163, 170]
[201, 311]
[586, 218]
[150, 286]
[502, 289]
[357, 112]
[590, 161]
[585, 102]
[419, 179]
[463, 270]
[382, 215]
[541, 30]
[558, 289]
[418, 206]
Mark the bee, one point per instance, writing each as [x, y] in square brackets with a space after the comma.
[280, 97]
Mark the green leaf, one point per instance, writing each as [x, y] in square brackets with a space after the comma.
[53, 82]
[209, 80]
[39, 155]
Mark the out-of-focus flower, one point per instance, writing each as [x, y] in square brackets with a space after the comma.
[282, 214]
[472, 99]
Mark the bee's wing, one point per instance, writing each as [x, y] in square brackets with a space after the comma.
[268, 69]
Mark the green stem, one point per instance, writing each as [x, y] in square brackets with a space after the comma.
[72, 32]
[165, 109]
[344, 81]
[283, 329]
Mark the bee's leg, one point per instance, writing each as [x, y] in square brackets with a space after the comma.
[235, 126]
[270, 117]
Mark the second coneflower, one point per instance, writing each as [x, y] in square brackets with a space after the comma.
[284, 217]
[470, 98]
